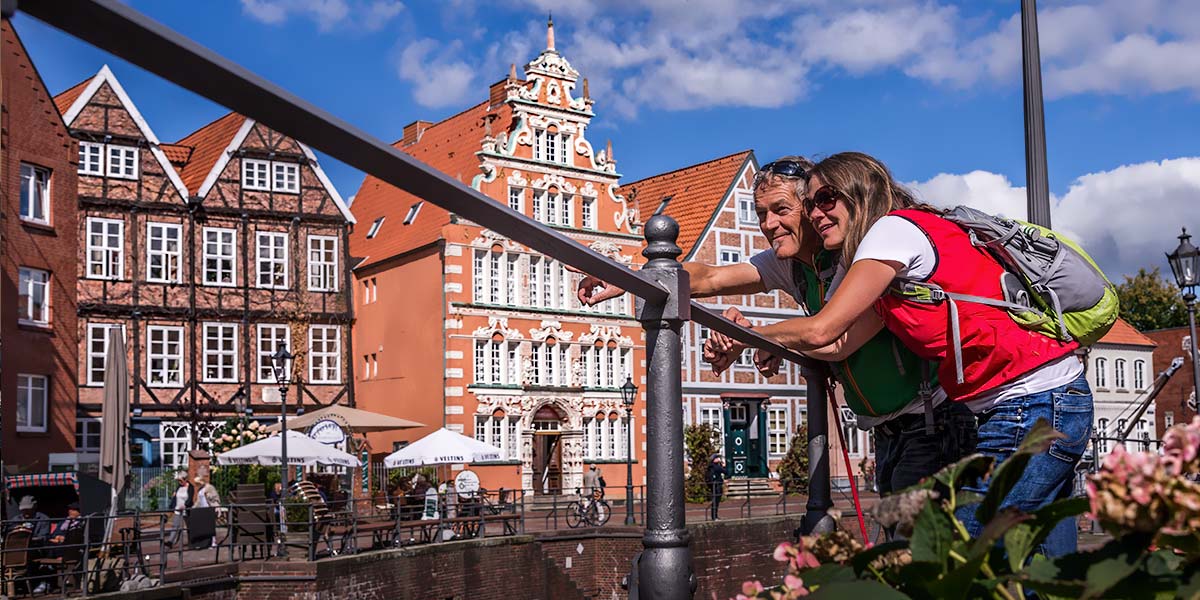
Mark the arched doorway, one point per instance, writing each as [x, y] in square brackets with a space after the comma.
[547, 428]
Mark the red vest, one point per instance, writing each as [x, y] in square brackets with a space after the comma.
[995, 349]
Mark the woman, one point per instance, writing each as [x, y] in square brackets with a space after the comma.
[1009, 376]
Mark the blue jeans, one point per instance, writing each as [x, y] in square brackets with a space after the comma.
[1049, 476]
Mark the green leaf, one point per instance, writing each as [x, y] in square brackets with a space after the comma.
[933, 532]
[1010, 470]
[961, 473]
[957, 583]
[856, 590]
[1188, 544]
[826, 574]
[1091, 573]
[1021, 540]
[1004, 521]
[863, 559]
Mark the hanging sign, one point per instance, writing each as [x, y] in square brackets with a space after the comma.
[467, 483]
[327, 432]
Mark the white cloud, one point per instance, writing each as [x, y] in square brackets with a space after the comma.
[364, 15]
[438, 77]
[1126, 218]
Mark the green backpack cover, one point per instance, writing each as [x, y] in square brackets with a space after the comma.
[881, 377]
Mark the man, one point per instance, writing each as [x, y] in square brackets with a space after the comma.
[591, 481]
[32, 519]
[60, 532]
[715, 478]
[881, 382]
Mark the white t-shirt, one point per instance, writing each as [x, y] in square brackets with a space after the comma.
[899, 240]
[776, 274]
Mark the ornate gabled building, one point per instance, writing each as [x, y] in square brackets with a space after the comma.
[208, 253]
[461, 327]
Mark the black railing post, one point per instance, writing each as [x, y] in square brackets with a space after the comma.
[816, 518]
[666, 563]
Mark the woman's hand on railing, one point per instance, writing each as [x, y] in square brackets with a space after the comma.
[720, 350]
[767, 364]
[593, 291]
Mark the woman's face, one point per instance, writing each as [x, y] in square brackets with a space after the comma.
[827, 211]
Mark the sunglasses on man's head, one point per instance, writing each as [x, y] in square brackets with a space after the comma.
[824, 198]
[786, 168]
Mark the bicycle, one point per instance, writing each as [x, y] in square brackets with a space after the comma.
[593, 511]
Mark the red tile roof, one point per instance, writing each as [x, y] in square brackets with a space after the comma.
[176, 153]
[696, 193]
[449, 146]
[1124, 334]
[207, 144]
[65, 99]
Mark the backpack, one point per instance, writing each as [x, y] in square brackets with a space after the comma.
[1050, 284]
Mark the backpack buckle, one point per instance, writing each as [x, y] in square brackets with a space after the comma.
[937, 294]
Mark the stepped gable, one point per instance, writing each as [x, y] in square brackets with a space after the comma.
[697, 192]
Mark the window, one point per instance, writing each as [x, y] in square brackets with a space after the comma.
[87, 436]
[174, 442]
[588, 213]
[220, 253]
[163, 252]
[325, 354]
[497, 363]
[1102, 435]
[272, 259]
[285, 177]
[31, 403]
[552, 207]
[122, 161]
[106, 248]
[745, 208]
[1143, 434]
[33, 301]
[777, 430]
[711, 416]
[1139, 375]
[851, 433]
[566, 214]
[1119, 373]
[1101, 372]
[495, 276]
[255, 174]
[97, 350]
[322, 263]
[164, 356]
[270, 337]
[375, 227]
[549, 364]
[91, 158]
[730, 256]
[220, 352]
[516, 198]
[1168, 419]
[502, 432]
[370, 291]
[604, 437]
[745, 359]
[412, 213]
[537, 206]
[35, 194]
[606, 367]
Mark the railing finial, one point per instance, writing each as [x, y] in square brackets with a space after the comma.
[661, 250]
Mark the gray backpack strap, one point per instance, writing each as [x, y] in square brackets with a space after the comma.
[926, 394]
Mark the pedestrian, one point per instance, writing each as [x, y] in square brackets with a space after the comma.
[181, 502]
[715, 478]
[38, 525]
[592, 483]
[1008, 375]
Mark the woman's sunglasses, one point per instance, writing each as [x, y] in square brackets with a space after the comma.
[824, 198]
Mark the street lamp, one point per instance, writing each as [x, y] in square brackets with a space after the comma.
[1185, 264]
[281, 364]
[628, 394]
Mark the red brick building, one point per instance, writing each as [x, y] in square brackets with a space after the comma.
[38, 330]
[1177, 402]
[462, 327]
[209, 253]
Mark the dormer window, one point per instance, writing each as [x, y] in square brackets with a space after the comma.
[412, 213]
[375, 227]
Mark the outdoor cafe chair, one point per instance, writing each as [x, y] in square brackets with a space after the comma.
[65, 566]
[14, 558]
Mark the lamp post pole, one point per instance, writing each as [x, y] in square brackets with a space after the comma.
[1190, 300]
[1185, 265]
[281, 362]
[628, 395]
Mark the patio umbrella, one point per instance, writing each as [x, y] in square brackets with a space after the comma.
[302, 450]
[442, 447]
[357, 421]
[114, 439]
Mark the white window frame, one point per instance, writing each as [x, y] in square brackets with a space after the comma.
[31, 283]
[105, 261]
[497, 362]
[39, 184]
[330, 360]
[267, 265]
[1119, 374]
[172, 363]
[122, 161]
[223, 359]
[285, 177]
[322, 273]
[256, 174]
[265, 348]
[213, 277]
[588, 212]
[27, 385]
[98, 332]
[91, 159]
[170, 261]
[516, 198]
[851, 433]
[1101, 367]
[746, 214]
[707, 412]
[728, 256]
[82, 435]
[503, 432]
[775, 435]
[375, 227]
[1102, 433]
[1139, 375]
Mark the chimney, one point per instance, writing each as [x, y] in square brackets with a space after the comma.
[498, 92]
[412, 132]
[550, 33]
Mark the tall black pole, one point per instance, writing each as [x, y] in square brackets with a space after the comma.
[284, 468]
[629, 520]
[1036, 180]
[1190, 299]
[665, 566]
[816, 516]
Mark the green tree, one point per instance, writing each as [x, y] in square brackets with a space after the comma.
[793, 469]
[1151, 301]
[700, 442]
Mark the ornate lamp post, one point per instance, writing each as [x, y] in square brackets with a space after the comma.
[281, 364]
[1185, 264]
[628, 394]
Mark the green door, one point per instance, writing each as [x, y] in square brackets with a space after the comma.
[745, 439]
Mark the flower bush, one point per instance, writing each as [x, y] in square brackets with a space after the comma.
[1148, 503]
[235, 433]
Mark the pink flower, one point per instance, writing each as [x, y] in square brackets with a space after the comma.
[795, 585]
[784, 552]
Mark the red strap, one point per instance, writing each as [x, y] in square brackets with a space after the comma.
[837, 415]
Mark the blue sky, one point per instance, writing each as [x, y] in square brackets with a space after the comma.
[932, 87]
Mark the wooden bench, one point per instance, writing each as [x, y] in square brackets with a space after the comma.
[252, 522]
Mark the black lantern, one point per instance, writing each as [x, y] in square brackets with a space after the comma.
[1185, 264]
[281, 364]
[628, 393]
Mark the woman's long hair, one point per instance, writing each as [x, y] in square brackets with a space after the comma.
[869, 191]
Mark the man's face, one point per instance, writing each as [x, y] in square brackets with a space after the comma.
[73, 512]
[781, 219]
[27, 513]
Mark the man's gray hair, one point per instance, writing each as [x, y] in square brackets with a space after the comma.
[765, 179]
